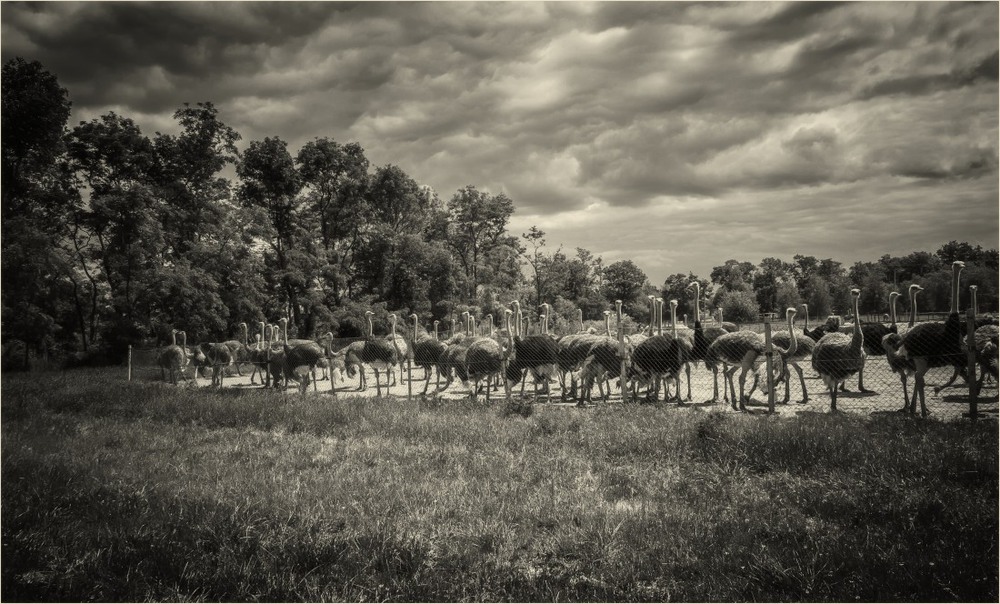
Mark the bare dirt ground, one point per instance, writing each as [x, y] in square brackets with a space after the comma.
[887, 397]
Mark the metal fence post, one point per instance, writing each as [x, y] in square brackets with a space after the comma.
[769, 356]
[621, 349]
[970, 322]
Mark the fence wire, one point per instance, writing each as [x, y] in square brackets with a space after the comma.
[869, 378]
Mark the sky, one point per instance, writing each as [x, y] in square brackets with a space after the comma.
[677, 135]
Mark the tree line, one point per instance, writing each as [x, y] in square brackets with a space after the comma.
[113, 237]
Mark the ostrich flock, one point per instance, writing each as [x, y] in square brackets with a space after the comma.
[506, 356]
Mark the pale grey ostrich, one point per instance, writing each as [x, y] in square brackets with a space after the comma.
[838, 356]
[891, 342]
[172, 359]
[744, 350]
[239, 349]
[702, 339]
[484, 360]
[804, 346]
[381, 353]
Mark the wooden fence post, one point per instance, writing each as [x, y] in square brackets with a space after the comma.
[621, 349]
[769, 356]
[970, 321]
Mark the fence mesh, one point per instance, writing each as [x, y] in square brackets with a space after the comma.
[931, 350]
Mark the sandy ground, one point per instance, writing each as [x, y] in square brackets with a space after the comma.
[888, 395]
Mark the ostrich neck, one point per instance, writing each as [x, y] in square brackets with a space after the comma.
[913, 308]
[697, 302]
[955, 279]
[371, 327]
[858, 337]
[673, 321]
[793, 342]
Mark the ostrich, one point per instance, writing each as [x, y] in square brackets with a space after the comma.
[891, 341]
[685, 337]
[658, 357]
[935, 344]
[381, 353]
[239, 349]
[484, 359]
[427, 352]
[985, 343]
[537, 353]
[452, 360]
[218, 356]
[838, 356]
[745, 350]
[815, 334]
[173, 358]
[258, 354]
[703, 338]
[804, 347]
[194, 355]
[730, 327]
[603, 359]
[573, 351]
[305, 355]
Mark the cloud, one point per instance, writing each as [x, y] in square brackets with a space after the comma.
[677, 132]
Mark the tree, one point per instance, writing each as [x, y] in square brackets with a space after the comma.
[738, 306]
[675, 287]
[623, 280]
[477, 234]
[271, 183]
[733, 275]
[767, 278]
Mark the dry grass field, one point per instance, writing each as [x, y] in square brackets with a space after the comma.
[145, 491]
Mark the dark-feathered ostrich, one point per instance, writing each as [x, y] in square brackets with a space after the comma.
[658, 357]
[538, 353]
[935, 344]
[218, 356]
[804, 346]
[838, 356]
[172, 359]
[452, 360]
[685, 338]
[604, 358]
[427, 352]
[985, 344]
[573, 350]
[701, 340]
[745, 350]
[815, 334]
[904, 367]
[299, 361]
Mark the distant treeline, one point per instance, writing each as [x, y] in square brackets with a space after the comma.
[112, 237]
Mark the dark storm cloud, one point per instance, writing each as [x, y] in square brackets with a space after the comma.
[615, 126]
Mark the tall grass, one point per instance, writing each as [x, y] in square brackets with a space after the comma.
[114, 491]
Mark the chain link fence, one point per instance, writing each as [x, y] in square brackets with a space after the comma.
[933, 356]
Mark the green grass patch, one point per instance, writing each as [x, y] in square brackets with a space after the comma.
[114, 491]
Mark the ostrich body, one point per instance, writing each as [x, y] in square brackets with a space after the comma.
[891, 341]
[381, 353]
[452, 360]
[657, 358]
[537, 353]
[573, 350]
[218, 356]
[935, 344]
[745, 350]
[172, 359]
[838, 356]
[484, 359]
[427, 353]
[299, 361]
[702, 339]
[239, 350]
[804, 346]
